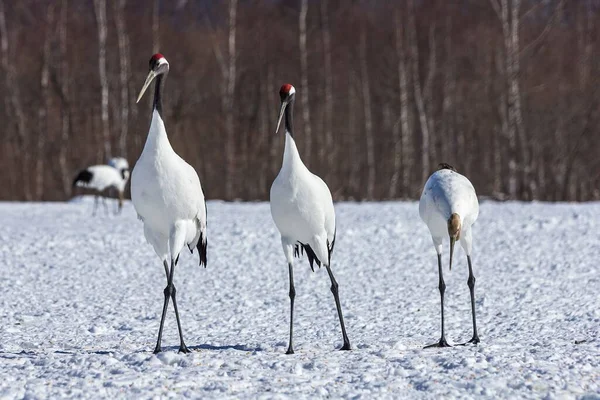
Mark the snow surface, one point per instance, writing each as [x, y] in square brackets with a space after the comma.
[81, 299]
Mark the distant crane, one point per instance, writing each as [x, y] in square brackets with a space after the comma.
[302, 209]
[167, 197]
[449, 207]
[101, 178]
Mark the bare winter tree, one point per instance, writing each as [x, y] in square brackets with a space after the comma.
[100, 9]
[507, 91]
[155, 26]
[304, 90]
[401, 130]
[328, 151]
[229, 99]
[15, 104]
[418, 94]
[63, 90]
[44, 106]
[366, 94]
[123, 39]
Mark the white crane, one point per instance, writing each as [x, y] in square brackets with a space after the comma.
[449, 207]
[302, 210]
[167, 197]
[101, 178]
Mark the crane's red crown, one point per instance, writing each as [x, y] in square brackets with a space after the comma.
[285, 89]
[157, 57]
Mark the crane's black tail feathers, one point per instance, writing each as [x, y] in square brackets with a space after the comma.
[83, 176]
[300, 248]
[312, 257]
[201, 246]
[330, 247]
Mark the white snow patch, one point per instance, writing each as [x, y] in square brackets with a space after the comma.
[82, 296]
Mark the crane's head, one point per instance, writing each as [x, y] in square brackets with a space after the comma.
[445, 166]
[158, 66]
[454, 226]
[122, 165]
[287, 93]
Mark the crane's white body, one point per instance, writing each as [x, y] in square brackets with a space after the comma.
[447, 192]
[167, 196]
[301, 206]
[104, 177]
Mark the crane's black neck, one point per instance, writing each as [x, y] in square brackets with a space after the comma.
[289, 118]
[157, 104]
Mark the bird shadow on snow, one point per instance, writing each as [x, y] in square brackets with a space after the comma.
[239, 347]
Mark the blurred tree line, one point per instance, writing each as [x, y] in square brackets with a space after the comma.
[505, 90]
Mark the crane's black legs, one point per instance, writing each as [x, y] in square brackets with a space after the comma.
[157, 349]
[105, 205]
[334, 290]
[95, 205]
[471, 283]
[442, 287]
[290, 349]
[170, 292]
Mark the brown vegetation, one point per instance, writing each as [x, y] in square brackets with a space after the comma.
[504, 90]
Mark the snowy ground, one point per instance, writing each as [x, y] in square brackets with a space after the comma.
[81, 298]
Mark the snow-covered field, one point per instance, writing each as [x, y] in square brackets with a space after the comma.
[81, 300]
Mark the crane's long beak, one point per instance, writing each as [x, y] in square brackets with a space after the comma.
[149, 78]
[283, 106]
[452, 241]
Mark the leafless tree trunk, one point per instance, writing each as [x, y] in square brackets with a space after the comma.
[414, 52]
[401, 131]
[588, 46]
[155, 26]
[16, 108]
[123, 39]
[366, 94]
[100, 9]
[353, 148]
[229, 102]
[329, 147]
[155, 38]
[307, 134]
[447, 132]
[428, 93]
[44, 105]
[510, 30]
[65, 107]
[276, 140]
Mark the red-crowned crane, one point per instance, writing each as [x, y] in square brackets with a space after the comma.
[449, 207]
[101, 178]
[302, 209]
[167, 197]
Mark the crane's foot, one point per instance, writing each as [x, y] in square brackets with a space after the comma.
[290, 350]
[184, 349]
[474, 340]
[346, 346]
[157, 349]
[441, 343]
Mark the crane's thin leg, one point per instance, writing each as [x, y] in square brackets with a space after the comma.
[157, 349]
[105, 206]
[334, 290]
[471, 283]
[182, 347]
[290, 349]
[442, 287]
[95, 205]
